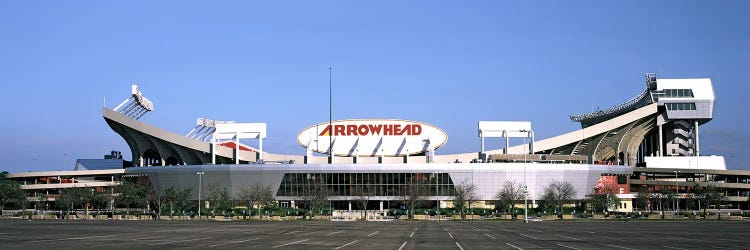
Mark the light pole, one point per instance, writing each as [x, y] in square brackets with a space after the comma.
[677, 191]
[437, 199]
[200, 186]
[525, 187]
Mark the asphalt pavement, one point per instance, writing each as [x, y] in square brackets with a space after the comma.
[462, 235]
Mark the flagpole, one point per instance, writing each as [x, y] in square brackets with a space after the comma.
[330, 115]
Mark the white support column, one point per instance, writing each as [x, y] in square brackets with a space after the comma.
[697, 142]
[260, 148]
[507, 141]
[213, 151]
[237, 148]
[659, 147]
[481, 135]
[531, 145]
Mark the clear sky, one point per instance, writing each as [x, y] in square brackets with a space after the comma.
[448, 63]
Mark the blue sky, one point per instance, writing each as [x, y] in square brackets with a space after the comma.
[448, 63]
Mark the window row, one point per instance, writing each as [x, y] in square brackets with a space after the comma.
[680, 106]
[676, 93]
[366, 190]
[365, 178]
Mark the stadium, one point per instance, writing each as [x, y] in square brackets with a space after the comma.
[648, 144]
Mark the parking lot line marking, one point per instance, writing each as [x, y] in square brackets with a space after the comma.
[293, 232]
[292, 243]
[671, 247]
[17, 237]
[532, 237]
[445, 229]
[451, 235]
[402, 245]
[234, 242]
[621, 247]
[513, 246]
[459, 246]
[347, 244]
[493, 237]
[335, 232]
[412, 234]
[75, 238]
[534, 230]
[507, 230]
[177, 241]
[172, 230]
[566, 246]
[572, 238]
[372, 233]
[150, 238]
[475, 230]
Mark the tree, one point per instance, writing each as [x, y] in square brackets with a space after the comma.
[315, 194]
[363, 193]
[167, 197]
[603, 197]
[182, 200]
[559, 193]
[413, 193]
[464, 193]
[219, 198]
[258, 195]
[130, 195]
[509, 195]
[641, 199]
[11, 193]
[78, 198]
[710, 195]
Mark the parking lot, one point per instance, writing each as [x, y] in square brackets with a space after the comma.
[61, 234]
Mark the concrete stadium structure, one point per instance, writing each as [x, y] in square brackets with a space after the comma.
[658, 129]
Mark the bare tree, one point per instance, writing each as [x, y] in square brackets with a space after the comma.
[511, 193]
[363, 194]
[463, 193]
[559, 193]
[315, 194]
[256, 195]
[413, 193]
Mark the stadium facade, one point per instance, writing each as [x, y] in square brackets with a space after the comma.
[640, 143]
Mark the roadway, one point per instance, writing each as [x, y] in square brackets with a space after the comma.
[60, 234]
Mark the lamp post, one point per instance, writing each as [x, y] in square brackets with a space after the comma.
[525, 187]
[437, 199]
[200, 186]
[677, 191]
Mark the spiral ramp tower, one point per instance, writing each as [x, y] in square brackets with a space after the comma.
[662, 120]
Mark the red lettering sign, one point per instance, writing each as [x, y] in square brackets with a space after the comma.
[373, 129]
